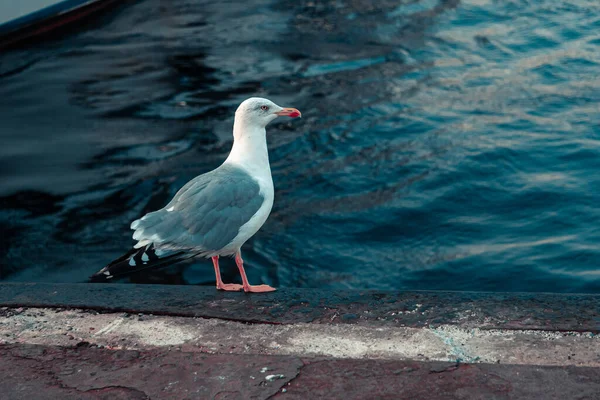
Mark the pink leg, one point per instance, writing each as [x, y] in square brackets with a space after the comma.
[247, 286]
[231, 287]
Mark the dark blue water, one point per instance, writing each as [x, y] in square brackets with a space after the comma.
[443, 145]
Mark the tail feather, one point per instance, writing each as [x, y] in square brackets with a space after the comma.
[137, 260]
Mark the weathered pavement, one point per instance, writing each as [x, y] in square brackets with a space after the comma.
[160, 342]
[48, 372]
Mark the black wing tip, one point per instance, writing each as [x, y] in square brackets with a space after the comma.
[100, 276]
[115, 267]
[132, 262]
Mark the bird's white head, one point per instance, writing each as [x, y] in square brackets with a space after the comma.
[249, 134]
[258, 112]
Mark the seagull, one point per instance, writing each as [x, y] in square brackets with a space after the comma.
[215, 213]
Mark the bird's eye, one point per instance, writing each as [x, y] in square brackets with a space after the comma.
[264, 108]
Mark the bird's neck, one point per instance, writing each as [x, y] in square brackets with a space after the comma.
[249, 150]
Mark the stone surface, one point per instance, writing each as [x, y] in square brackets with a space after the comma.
[377, 379]
[84, 372]
[156, 342]
[450, 343]
[537, 311]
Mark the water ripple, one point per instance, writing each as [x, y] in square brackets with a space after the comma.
[444, 144]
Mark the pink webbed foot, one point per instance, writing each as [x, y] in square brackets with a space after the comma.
[248, 288]
[230, 287]
[259, 289]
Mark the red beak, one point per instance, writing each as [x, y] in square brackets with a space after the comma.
[290, 112]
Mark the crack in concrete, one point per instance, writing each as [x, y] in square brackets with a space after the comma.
[445, 368]
[289, 382]
[103, 388]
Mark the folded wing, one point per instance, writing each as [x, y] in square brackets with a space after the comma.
[203, 218]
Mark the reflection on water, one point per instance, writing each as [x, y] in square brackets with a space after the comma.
[444, 144]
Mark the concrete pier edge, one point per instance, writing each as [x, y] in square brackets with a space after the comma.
[154, 341]
[484, 310]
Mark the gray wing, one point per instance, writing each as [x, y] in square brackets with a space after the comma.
[205, 215]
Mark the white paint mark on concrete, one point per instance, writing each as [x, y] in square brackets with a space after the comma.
[110, 327]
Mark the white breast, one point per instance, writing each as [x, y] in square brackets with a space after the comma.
[257, 221]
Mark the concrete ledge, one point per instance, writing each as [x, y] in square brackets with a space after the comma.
[532, 311]
[142, 341]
